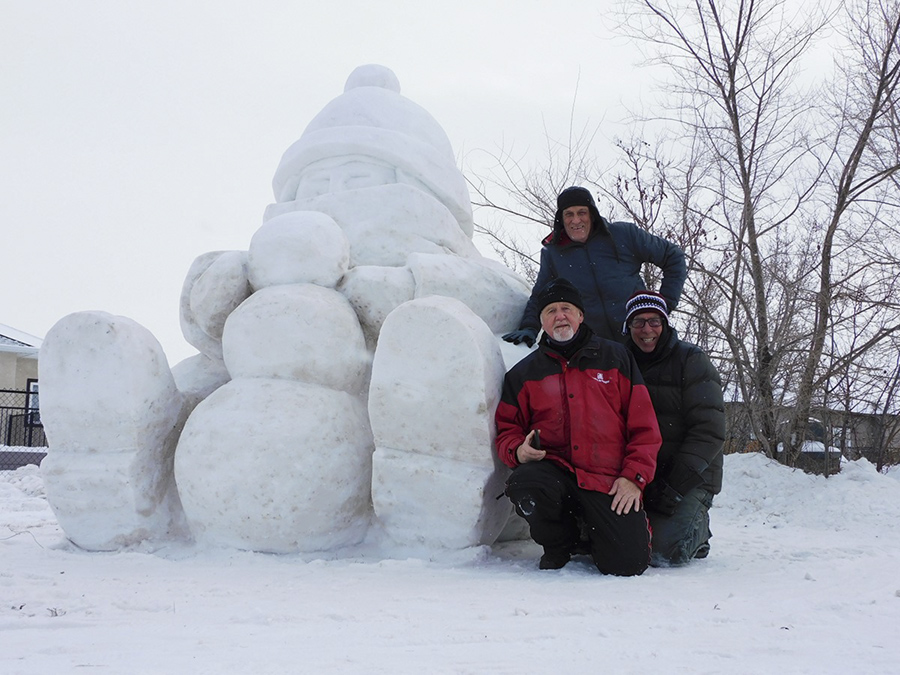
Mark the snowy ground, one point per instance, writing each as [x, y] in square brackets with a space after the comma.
[803, 578]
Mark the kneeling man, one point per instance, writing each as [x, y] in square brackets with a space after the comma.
[576, 425]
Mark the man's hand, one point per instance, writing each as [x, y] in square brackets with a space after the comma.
[527, 453]
[661, 497]
[625, 495]
[526, 335]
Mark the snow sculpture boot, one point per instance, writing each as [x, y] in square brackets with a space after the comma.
[436, 382]
[112, 414]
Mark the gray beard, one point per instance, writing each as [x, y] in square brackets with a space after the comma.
[563, 334]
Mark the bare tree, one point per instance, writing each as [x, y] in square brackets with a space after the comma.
[783, 196]
[865, 157]
[523, 194]
[733, 93]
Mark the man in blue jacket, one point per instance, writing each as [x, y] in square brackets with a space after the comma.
[603, 260]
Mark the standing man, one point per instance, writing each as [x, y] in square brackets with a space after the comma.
[576, 425]
[687, 395]
[603, 261]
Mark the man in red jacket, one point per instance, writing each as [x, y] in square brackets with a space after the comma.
[576, 425]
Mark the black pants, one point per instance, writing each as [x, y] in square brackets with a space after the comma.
[548, 497]
[677, 538]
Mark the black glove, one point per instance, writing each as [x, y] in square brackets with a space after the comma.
[682, 477]
[665, 493]
[661, 497]
[526, 335]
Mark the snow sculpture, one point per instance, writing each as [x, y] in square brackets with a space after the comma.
[115, 414]
[348, 360]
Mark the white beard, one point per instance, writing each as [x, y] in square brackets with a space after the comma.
[563, 333]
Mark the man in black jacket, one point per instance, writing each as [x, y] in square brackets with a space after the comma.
[687, 396]
[603, 260]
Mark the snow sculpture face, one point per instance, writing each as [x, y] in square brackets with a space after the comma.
[339, 174]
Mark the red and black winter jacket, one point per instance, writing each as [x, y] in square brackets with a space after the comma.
[594, 413]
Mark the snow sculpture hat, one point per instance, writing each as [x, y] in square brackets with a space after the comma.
[372, 118]
[559, 290]
[644, 301]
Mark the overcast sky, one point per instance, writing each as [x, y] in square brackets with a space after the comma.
[137, 136]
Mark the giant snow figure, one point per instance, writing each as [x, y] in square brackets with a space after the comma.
[348, 359]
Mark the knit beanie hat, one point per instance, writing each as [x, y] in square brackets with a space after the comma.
[575, 196]
[559, 290]
[644, 301]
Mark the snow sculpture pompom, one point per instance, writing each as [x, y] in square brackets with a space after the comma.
[361, 321]
[373, 75]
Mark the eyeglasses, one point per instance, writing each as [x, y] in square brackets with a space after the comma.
[655, 322]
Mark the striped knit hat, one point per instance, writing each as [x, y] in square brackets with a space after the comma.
[644, 301]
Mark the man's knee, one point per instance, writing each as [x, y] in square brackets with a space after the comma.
[622, 562]
[533, 487]
[680, 538]
[620, 544]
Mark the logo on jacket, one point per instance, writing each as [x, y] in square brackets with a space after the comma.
[601, 379]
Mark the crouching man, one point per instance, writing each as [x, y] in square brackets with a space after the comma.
[686, 392]
[576, 425]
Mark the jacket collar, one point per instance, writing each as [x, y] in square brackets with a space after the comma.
[664, 347]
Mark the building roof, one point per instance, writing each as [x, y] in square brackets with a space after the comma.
[18, 342]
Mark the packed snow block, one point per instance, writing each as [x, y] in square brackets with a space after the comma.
[436, 381]
[512, 354]
[516, 528]
[300, 332]
[374, 292]
[435, 385]
[105, 501]
[443, 503]
[191, 328]
[296, 248]
[385, 223]
[485, 286]
[112, 414]
[198, 376]
[218, 291]
[276, 466]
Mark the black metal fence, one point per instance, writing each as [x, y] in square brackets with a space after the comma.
[20, 428]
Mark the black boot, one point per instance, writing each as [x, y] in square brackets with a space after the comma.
[554, 559]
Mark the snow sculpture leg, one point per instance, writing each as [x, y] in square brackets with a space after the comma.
[277, 466]
[435, 385]
[112, 414]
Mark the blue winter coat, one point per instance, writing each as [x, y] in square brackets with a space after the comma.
[606, 269]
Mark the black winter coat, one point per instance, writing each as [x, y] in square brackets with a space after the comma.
[686, 391]
[606, 269]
